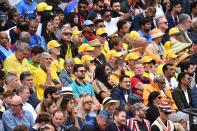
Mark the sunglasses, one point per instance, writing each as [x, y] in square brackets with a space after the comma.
[103, 35]
[82, 71]
[82, 7]
[84, 94]
[159, 97]
[108, 16]
[67, 33]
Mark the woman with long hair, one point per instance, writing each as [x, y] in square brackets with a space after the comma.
[67, 106]
[154, 100]
[49, 106]
[100, 83]
[85, 110]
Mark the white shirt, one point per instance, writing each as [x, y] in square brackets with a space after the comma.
[13, 3]
[172, 84]
[29, 107]
[159, 11]
[111, 27]
[186, 95]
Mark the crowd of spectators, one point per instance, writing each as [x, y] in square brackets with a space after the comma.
[97, 65]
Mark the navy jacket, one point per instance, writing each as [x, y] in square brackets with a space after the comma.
[118, 94]
[171, 21]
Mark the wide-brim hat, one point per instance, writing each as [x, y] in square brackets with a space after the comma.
[166, 107]
[67, 91]
[155, 33]
[108, 100]
[182, 56]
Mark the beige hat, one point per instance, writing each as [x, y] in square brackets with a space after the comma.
[155, 33]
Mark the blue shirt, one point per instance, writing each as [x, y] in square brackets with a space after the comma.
[78, 89]
[36, 40]
[27, 9]
[4, 53]
[10, 121]
[147, 37]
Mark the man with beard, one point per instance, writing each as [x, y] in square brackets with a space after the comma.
[119, 121]
[82, 13]
[80, 87]
[94, 13]
[145, 24]
[189, 68]
[138, 122]
[182, 94]
[115, 4]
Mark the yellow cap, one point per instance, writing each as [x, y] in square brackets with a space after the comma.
[43, 6]
[167, 45]
[94, 43]
[85, 47]
[134, 35]
[77, 60]
[52, 44]
[169, 54]
[132, 56]
[76, 33]
[86, 58]
[101, 31]
[173, 31]
[146, 59]
[112, 53]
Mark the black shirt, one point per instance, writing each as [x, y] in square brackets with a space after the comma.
[13, 36]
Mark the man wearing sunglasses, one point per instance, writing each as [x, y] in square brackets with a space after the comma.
[94, 13]
[16, 115]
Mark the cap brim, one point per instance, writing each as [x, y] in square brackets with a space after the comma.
[145, 108]
[49, 8]
[113, 101]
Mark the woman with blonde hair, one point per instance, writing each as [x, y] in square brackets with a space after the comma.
[85, 110]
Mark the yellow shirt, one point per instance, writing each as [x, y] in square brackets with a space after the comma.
[39, 77]
[69, 53]
[57, 65]
[165, 97]
[105, 48]
[160, 69]
[11, 64]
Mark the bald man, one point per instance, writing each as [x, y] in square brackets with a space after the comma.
[16, 115]
[5, 49]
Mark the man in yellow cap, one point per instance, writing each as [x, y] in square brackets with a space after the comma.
[168, 58]
[99, 57]
[87, 61]
[85, 49]
[43, 7]
[53, 48]
[149, 67]
[101, 35]
[111, 57]
[130, 61]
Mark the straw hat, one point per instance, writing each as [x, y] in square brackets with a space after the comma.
[155, 33]
[108, 100]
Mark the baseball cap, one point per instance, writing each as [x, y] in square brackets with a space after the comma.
[86, 58]
[138, 106]
[101, 31]
[147, 59]
[94, 43]
[53, 44]
[169, 54]
[112, 53]
[85, 47]
[104, 114]
[134, 35]
[43, 6]
[173, 31]
[88, 22]
[132, 56]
